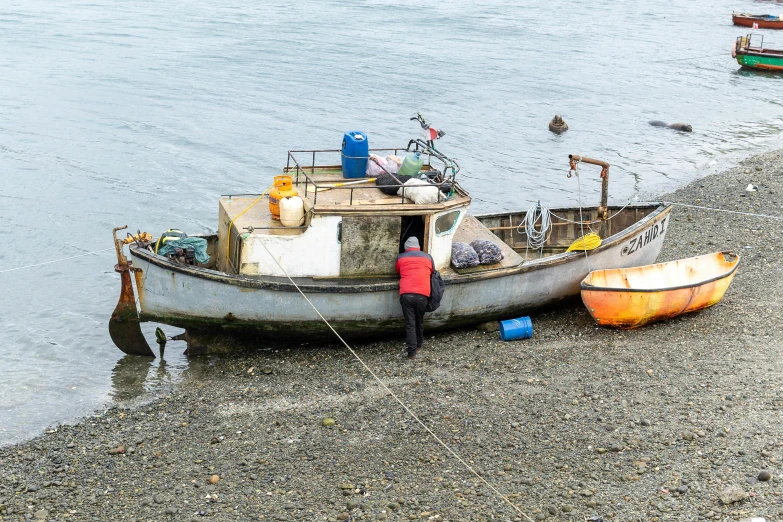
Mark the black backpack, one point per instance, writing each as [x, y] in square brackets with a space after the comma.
[437, 287]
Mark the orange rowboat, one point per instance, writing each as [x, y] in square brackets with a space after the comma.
[631, 297]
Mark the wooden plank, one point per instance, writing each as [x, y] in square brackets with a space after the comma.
[370, 245]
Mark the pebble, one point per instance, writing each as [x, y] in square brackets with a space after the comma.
[764, 476]
[687, 435]
[733, 494]
[328, 421]
[644, 422]
[214, 479]
[343, 516]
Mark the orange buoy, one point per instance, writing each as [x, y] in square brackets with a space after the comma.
[284, 188]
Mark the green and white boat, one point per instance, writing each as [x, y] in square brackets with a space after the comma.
[750, 52]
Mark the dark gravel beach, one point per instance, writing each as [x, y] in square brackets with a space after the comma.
[679, 420]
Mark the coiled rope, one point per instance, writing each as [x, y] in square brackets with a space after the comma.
[399, 401]
[536, 238]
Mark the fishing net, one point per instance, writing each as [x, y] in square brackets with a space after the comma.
[488, 252]
[463, 255]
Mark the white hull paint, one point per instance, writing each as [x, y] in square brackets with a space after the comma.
[197, 298]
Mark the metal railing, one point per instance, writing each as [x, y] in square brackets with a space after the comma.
[439, 177]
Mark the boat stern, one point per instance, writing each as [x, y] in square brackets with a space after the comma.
[125, 324]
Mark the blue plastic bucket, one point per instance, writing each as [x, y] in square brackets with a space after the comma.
[520, 328]
[354, 152]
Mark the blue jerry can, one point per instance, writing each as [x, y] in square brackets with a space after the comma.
[355, 151]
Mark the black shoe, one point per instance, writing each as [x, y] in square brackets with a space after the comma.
[412, 355]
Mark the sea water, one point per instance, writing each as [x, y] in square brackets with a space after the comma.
[143, 113]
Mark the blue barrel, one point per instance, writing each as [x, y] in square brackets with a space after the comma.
[355, 151]
[521, 328]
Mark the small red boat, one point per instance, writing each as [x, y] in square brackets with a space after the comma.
[760, 21]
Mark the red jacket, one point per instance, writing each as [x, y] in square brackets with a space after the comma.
[415, 268]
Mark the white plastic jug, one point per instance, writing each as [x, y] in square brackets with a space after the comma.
[292, 212]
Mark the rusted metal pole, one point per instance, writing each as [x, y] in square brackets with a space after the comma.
[603, 209]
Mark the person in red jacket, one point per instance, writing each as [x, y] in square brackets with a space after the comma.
[415, 268]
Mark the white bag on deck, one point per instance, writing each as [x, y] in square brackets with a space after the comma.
[421, 192]
[393, 163]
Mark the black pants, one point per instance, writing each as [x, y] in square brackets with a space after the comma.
[413, 306]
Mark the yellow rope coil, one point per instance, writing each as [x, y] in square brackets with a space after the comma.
[231, 223]
[589, 241]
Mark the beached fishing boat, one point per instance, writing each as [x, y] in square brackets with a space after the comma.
[750, 52]
[763, 21]
[342, 255]
[631, 297]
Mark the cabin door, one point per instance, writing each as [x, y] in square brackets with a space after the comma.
[413, 226]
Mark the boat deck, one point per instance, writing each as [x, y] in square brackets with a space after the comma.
[257, 216]
[318, 189]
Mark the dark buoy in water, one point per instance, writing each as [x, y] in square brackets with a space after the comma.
[557, 125]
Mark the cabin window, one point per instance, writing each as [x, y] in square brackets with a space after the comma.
[445, 222]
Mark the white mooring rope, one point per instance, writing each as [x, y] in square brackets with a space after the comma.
[55, 261]
[416, 418]
[767, 216]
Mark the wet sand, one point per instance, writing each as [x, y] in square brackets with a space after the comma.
[675, 421]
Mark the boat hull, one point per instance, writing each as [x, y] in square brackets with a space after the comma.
[624, 306]
[203, 300]
[755, 61]
[761, 23]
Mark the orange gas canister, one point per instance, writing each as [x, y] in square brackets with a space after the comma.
[283, 189]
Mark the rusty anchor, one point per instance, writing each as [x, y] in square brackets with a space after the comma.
[125, 324]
